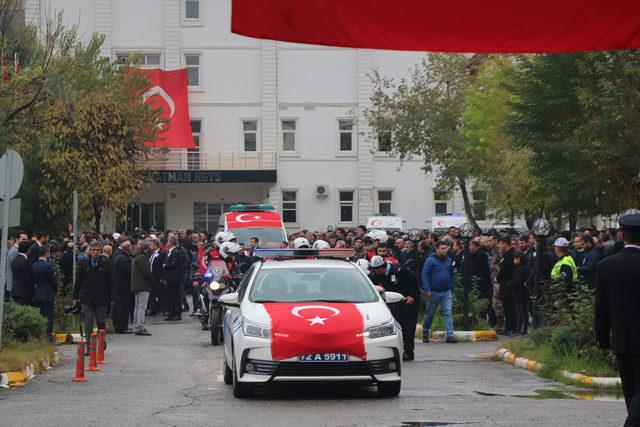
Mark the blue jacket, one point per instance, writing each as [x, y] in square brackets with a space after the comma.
[45, 281]
[437, 274]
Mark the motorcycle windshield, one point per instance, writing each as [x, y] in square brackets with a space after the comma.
[217, 268]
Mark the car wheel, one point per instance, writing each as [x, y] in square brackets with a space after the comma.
[214, 327]
[228, 373]
[389, 388]
[240, 390]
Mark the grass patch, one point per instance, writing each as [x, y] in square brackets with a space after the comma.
[573, 361]
[14, 356]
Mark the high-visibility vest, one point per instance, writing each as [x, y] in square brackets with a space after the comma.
[566, 260]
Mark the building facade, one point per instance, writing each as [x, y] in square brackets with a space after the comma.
[274, 122]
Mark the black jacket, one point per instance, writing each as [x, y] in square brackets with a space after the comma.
[121, 270]
[34, 252]
[617, 317]
[94, 285]
[23, 286]
[507, 269]
[157, 269]
[588, 267]
[398, 279]
[517, 284]
[174, 267]
[45, 281]
[476, 270]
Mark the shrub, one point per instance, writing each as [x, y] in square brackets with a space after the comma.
[564, 340]
[539, 337]
[22, 322]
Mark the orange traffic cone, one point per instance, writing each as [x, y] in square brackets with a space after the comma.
[101, 346]
[92, 353]
[79, 378]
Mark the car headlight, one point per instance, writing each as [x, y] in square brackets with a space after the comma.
[254, 330]
[384, 330]
[216, 285]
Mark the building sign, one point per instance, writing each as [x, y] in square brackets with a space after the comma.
[212, 177]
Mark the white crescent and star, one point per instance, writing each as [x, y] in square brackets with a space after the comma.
[157, 90]
[253, 218]
[316, 320]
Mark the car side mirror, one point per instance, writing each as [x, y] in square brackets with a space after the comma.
[230, 300]
[392, 297]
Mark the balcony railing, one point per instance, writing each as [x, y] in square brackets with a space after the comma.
[205, 160]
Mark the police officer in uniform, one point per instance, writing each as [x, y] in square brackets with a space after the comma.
[565, 270]
[401, 280]
[617, 314]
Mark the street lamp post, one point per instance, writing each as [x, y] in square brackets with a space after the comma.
[467, 232]
[541, 230]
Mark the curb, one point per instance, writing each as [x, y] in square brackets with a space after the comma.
[19, 378]
[534, 366]
[462, 336]
[67, 338]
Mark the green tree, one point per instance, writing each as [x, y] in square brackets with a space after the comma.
[425, 116]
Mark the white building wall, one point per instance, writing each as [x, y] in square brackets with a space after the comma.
[242, 78]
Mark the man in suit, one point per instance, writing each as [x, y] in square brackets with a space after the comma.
[507, 269]
[617, 318]
[121, 276]
[174, 275]
[157, 297]
[23, 289]
[41, 238]
[93, 288]
[21, 236]
[46, 287]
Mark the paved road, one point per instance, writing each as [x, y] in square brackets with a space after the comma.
[174, 378]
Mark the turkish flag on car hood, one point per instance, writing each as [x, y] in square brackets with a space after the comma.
[253, 219]
[484, 26]
[169, 90]
[315, 327]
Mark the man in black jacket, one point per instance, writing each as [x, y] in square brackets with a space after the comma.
[23, 287]
[46, 285]
[507, 269]
[93, 288]
[157, 298]
[588, 267]
[174, 276]
[121, 277]
[41, 238]
[401, 280]
[475, 273]
[617, 318]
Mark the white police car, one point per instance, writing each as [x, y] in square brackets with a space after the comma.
[310, 320]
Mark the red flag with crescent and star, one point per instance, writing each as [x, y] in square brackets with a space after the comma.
[169, 90]
[253, 219]
[315, 327]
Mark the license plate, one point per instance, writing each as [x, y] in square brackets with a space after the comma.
[324, 357]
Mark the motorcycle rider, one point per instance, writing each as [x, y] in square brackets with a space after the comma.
[401, 280]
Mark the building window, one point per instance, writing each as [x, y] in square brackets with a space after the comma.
[346, 206]
[345, 129]
[192, 9]
[206, 216]
[384, 141]
[193, 154]
[290, 206]
[441, 199]
[289, 135]
[147, 60]
[144, 216]
[480, 205]
[250, 131]
[385, 198]
[192, 62]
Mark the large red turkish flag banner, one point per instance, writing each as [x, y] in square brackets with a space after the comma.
[169, 90]
[315, 327]
[482, 26]
[254, 219]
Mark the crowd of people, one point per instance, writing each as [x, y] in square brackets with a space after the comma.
[139, 274]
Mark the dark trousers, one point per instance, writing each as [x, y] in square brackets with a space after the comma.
[629, 367]
[154, 299]
[510, 314]
[174, 299]
[46, 310]
[121, 310]
[489, 313]
[522, 316]
[407, 316]
[91, 312]
[22, 301]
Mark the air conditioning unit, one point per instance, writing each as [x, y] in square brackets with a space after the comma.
[322, 190]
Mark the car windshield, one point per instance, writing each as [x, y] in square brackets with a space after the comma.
[312, 284]
[266, 235]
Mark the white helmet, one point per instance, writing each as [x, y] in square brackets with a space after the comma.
[224, 236]
[377, 261]
[379, 235]
[229, 248]
[300, 243]
[363, 265]
[321, 244]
